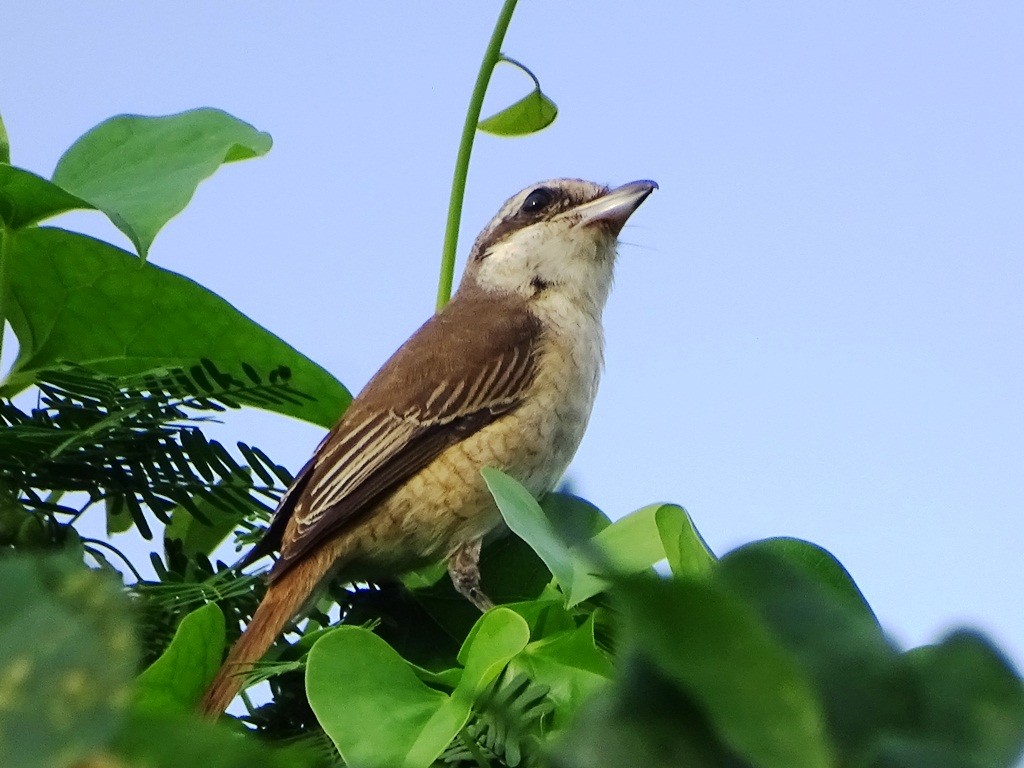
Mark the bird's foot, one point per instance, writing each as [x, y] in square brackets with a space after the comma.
[464, 568]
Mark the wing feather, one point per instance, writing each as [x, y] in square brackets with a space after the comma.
[443, 385]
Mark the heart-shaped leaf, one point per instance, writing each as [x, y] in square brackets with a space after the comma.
[379, 712]
[176, 680]
[718, 651]
[73, 299]
[142, 171]
[530, 114]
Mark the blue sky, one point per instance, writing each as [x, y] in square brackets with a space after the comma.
[817, 328]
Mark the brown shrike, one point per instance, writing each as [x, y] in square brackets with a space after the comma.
[504, 376]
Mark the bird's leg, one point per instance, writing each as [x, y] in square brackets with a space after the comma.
[464, 568]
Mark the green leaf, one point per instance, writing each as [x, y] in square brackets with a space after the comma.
[971, 698]
[142, 171]
[367, 698]
[527, 520]
[685, 549]
[498, 636]
[67, 655]
[176, 681]
[575, 519]
[530, 114]
[198, 537]
[642, 720]
[899, 751]
[26, 198]
[5, 144]
[376, 709]
[716, 649]
[74, 299]
[570, 664]
[820, 565]
[864, 685]
[631, 544]
[119, 519]
[171, 740]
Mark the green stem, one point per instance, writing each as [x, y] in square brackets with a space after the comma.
[451, 233]
[3, 288]
[87, 543]
[474, 749]
[519, 65]
[249, 706]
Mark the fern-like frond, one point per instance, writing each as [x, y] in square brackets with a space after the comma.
[136, 443]
[506, 727]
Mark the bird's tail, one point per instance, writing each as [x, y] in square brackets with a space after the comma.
[285, 597]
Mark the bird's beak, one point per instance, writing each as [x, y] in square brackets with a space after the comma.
[615, 207]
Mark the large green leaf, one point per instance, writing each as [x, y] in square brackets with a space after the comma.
[74, 299]
[142, 171]
[174, 739]
[67, 655]
[376, 708]
[971, 699]
[642, 720]
[583, 568]
[718, 651]
[201, 537]
[864, 685]
[570, 664]
[821, 566]
[26, 198]
[527, 520]
[176, 680]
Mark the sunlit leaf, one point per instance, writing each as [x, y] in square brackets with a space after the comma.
[685, 549]
[527, 520]
[79, 300]
[142, 171]
[376, 708]
[176, 680]
[631, 544]
[570, 664]
[530, 114]
[26, 198]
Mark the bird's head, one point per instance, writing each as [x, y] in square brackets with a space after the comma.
[555, 238]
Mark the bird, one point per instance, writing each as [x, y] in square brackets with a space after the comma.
[504, 376]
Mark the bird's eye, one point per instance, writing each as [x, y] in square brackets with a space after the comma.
[537, 200]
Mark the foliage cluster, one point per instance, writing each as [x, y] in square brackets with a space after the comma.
[614, 644]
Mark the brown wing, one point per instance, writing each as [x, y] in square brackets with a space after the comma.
[460, 371]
